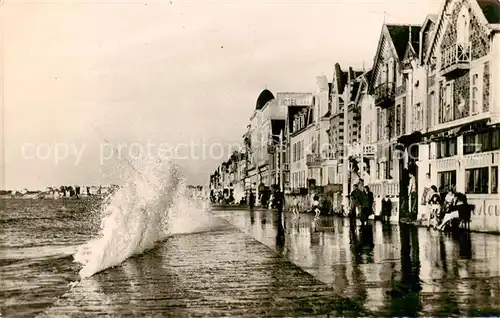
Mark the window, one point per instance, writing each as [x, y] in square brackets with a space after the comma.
[495, 140]
[403, 116]
[469, 144]
[446, 104]
[419, 117]
[477, 180]
[398, 120]
[481, 142]
[475, 94]
[446, 148]
[379, 124]
[447, 179]
[463, 28]
[494, 179]
[430, 110]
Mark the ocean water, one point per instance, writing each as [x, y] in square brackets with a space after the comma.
[47, 246]
[38, 240]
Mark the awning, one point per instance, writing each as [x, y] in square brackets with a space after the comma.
[412, 138]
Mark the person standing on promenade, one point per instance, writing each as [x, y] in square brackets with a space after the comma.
[315, 206]
[280, 201]
[355, 201]
[386, 209]
[434, 207]
[412, 197]
[295, 206]
[251, 200]
[367, 205]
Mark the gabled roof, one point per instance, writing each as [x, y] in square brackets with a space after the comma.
[491, 10]
[400, 35]
[481, 8]
[429, 19]
[354, 90]
[339, 78]
[363, 80]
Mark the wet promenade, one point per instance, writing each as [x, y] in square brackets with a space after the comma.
[389, 270]
[241, 266]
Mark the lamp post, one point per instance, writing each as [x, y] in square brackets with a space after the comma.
[347, 180]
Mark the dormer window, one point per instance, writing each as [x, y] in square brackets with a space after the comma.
[463, 27]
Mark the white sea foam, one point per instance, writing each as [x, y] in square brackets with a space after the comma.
[149, 207]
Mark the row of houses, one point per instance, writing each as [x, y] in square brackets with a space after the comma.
[427, 113]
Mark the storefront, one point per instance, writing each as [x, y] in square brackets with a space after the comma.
[468, 161]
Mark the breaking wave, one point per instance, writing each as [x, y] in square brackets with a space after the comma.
[150, 206]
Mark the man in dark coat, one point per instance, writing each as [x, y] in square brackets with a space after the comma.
[251, 199]
[355, 199]
[386, 209]
[366, 205]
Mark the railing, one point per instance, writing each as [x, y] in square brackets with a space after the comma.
[456, 54]
[313, 158]
[384, 93]
[385, 187]
[328, 155]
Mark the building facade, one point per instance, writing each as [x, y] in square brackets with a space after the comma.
[294, 168]
[461, 146]
[317, 160]
[388, 86]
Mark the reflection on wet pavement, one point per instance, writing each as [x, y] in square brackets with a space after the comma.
[214, 273]
[390, 269]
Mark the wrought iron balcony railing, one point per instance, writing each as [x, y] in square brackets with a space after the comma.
[455, 57]
[384, 94]
[313, 159]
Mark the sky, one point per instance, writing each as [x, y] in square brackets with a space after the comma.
[86, 84]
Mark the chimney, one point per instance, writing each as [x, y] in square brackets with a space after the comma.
[409, 27]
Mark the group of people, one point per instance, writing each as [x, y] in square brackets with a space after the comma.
[361, 203]
[315, 206]
[446, 206]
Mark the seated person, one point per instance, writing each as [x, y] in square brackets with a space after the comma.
[455, 208]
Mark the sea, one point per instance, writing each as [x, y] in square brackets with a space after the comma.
[47, 246]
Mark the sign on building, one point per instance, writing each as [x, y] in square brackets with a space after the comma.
[357, 149]
[294, 99]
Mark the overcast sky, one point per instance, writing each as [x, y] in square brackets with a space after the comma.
[76, 73]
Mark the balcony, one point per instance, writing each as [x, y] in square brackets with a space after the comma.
[313, 159]
[455, 60]
[384, 95]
